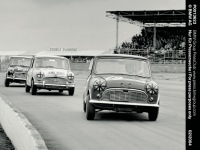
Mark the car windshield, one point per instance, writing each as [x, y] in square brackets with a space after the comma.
[125, 66]
[20, 61]
[58, 63]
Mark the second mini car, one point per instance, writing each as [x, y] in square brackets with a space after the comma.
[51, 73]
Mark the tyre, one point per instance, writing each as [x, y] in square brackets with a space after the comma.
[33, 88]
[84, 104]
[27, 88]
[90, 110]
[71, 91]
[60, 91]
[153, 114]
[6, 83]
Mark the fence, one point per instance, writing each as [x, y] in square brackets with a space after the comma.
[161, 56]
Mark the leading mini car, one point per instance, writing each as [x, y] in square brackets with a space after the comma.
[17, 70]
[50, 73]
[122, 83]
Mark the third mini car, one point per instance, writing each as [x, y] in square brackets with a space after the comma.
[17, 69]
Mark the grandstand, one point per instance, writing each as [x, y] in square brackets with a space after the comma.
[162, 37]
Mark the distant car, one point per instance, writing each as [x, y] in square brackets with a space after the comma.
[17, 70]
[51, 73]
[121, 83]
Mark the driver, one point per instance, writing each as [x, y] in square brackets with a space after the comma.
[38, 63]
[130, 68]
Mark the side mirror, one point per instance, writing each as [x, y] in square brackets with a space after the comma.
[90, 68]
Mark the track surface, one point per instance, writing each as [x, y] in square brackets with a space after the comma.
[60, 120]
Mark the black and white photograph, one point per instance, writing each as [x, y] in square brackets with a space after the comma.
[98, 74]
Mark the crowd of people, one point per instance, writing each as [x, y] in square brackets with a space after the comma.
[167, 39]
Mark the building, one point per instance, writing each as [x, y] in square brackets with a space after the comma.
[73, 54]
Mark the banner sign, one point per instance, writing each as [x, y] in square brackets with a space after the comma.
[192, 103]
[63, 49]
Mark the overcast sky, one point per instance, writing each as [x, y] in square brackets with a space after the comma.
[37, 25]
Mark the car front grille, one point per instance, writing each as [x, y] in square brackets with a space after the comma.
[134, 96]
[60, 81]
[20, 75]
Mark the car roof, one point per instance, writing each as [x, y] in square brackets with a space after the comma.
[49, 56]
[21, 56]
[122, 55]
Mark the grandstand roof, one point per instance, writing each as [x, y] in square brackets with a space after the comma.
[87, 53]
[150, 16]
[11, 53]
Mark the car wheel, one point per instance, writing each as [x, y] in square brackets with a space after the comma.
[33, 88]
[153, 114]
[84, 104]
[6, 83]
[90, 110]
[71, 91]
[27, 88]
[60, 91]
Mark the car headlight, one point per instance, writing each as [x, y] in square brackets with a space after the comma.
[100, 85]
[40, 74]
[70, 76]
[10, 71]
[152, 91]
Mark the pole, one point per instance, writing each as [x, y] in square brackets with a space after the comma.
[154, 37]
[117, 28]
[0, 63]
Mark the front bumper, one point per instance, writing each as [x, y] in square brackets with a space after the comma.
[123, 106]
[16, 79]
[54, 86]
[116, 104]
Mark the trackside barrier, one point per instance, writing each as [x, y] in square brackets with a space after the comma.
[19, 130]
[155, 68]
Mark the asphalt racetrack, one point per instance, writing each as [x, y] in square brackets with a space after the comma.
[61, 121]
